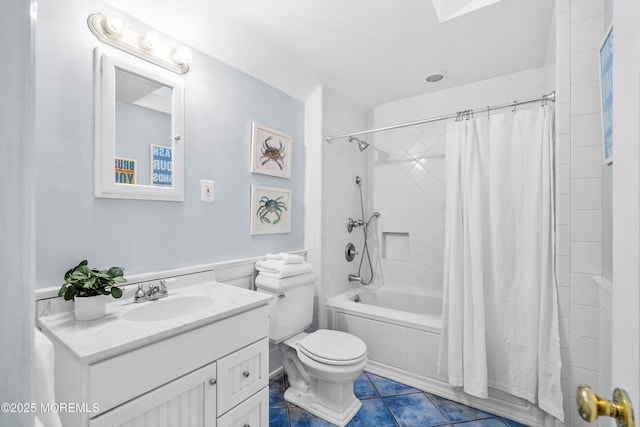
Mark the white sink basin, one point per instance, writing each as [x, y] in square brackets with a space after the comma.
[168, 308]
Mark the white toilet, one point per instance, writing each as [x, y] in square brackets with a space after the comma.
[321, 366]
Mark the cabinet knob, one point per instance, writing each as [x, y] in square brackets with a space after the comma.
[246, 425]
[213, 381]
[245, 374]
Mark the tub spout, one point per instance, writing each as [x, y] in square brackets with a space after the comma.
[354, 278]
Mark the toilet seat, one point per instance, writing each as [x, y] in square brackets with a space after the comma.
[333, 347]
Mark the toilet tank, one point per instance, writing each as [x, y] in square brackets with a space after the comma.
[291, 308]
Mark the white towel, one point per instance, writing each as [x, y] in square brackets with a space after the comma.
[285, 258]
[280, 270]
[44, 382]
[284, 284]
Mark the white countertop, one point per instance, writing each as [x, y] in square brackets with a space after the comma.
[114, 334]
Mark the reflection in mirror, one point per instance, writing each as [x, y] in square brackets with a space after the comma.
[143, 131]
[139, 123]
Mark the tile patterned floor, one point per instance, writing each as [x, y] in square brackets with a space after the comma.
[385, 403]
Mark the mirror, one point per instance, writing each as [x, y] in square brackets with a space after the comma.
[139, 125]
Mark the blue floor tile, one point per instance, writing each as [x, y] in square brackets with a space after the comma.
[363, 388]
[373, 413]
[385, 403]
[387, 387]
[301, 418]
[411, 410]
[489, 422]
[276, 393]
[457, 412]
[512, 423]
[278, 417]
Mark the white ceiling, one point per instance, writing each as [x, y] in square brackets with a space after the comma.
[372, 51]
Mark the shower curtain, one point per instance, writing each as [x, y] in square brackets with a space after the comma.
[500, 315]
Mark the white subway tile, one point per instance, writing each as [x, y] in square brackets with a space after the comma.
[563, 58]
[563, 88]
[563, 29]
[586, 194]
[585, 9]
[585, 321]
[583, 376]
[563, 180]
[585, 67]
[586, 257]
[564, 149]
[586, 162]
[587, 34]
[563, 118]
[563, 240]
[563, 270]
[586, 130]
[563, 209]
[562, 6]
[586, 226]
[584, 353]
[584, 290]
[585, 98]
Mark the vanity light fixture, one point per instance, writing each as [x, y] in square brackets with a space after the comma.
[113, 30]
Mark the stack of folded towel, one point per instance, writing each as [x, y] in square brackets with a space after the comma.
[282, 265]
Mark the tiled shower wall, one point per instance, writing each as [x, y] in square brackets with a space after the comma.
[408, 173]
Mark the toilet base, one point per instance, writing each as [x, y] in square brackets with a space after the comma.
[309, 402]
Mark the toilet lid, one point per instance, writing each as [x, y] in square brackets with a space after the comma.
[333, 347]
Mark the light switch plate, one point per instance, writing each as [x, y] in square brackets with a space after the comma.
[207, 188]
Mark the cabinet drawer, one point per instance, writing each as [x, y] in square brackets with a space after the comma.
[253, 412]
[242, 373]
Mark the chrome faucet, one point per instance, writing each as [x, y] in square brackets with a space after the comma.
[153, 292]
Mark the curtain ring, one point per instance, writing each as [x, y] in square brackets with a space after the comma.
[515, 106]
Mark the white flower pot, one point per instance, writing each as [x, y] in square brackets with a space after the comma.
[90, 308]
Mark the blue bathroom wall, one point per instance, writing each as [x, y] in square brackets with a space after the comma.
[142, 236]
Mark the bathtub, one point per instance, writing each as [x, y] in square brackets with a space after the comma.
[402, 327]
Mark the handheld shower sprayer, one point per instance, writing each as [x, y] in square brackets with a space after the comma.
[353, 223]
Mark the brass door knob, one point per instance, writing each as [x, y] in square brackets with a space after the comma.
[591, 406]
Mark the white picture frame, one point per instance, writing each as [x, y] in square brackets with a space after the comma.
[270, 210]
[270, 151]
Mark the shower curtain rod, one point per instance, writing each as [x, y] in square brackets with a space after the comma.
[544, 98]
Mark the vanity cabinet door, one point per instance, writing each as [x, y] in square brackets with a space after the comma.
[189, 401]
[242, 373]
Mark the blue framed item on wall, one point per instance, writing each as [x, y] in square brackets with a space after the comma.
[606, 95]
[161, 166]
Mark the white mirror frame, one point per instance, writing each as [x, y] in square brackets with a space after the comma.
[105, 65]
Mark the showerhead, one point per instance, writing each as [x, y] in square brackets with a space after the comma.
[362, 145]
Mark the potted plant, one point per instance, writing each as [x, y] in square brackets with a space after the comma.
[87, 287]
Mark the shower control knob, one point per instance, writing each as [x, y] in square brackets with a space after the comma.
[350, 252]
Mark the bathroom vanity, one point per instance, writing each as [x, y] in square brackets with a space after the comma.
[196, 358]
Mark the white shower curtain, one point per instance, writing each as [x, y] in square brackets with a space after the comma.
[500, 315]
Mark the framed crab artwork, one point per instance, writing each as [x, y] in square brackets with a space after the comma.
[270, 151]
[270, 210]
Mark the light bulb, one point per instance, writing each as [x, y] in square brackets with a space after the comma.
[151, 41]
[113, 25]
[182, 55]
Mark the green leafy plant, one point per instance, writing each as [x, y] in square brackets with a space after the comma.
[82, 281]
